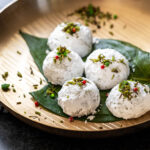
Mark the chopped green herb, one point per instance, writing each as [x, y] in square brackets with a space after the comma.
[111, 26]
[5, 75]
[77, 81]
[38, 113]
[71, 28]
[145, 90]
[113, 58]
[115, 16]
[92, 15]
[14, 90]
[112, 76]
[40, 81]
[67, 96]
[62, 52]
[31, 71]
[5, 87]
[19, 75]
[35, 86]
[111, 33]
[18, 103]
[18, 52]
[52, 95]
[25, 112]
[114, 70]
[61, 121]
[125, 89]
[24, 95]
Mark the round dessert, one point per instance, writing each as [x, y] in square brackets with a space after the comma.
[129, 99]
[74, 36]
[106, 68]
[61, 65]
[79, 97]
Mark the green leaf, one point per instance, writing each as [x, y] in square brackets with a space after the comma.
[138, 59]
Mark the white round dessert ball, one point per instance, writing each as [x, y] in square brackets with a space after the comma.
[79, 97]
[130, 104]
[106, 68]
[79, 41]
[58, 68]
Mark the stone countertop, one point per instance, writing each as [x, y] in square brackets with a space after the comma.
[16, 135]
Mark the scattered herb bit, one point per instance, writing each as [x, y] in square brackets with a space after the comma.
[5, 75]
[112, 76]
[14, 90]
[125, 89]
[114, 70]
[93, 15]
[113, 58]
[35, 86]
[100, 127]
[94, 31]
[19, 75]
[111, 33]
[5, 87]
[52, 95]
[71, 28]
[12, 85]
[37, 113]
[61, 121]
[67, 96]
[145, 90]
[40, 81]
[115, 16]
[18, 103]
[31, 71]
[121, 61]
[25, 112]
[24, 95]
[111, 26]
[77, 81]
[62, 52]
[18, 52]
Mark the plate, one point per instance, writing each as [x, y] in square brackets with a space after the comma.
[39, 18]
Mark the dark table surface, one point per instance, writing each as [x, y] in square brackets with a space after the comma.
[16, 135]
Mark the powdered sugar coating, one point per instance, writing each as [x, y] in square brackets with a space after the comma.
[127, 109]
[105, 78]
[78, 101]
[80, 42]
[57, 73]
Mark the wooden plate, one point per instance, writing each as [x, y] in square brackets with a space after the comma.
[40, 19]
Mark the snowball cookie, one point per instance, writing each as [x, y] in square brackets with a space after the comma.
[129, 99]
[106, 68]
[61, 65]
[79, 97]
[74, 36]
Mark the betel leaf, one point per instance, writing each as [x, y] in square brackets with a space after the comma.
[139, 64]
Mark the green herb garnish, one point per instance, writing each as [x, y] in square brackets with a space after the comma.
[5, 75]
[18, 52]
[37, 113]
[18, 103]
[5, 87]
[71, 28]
[35, 86]
[125, 89]
[114, 70]
[62, 52]
[19, 74]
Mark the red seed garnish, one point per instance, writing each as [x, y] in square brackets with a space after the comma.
[102, 66]
[57, 57]
[36, 103]
[135, 89]
[84, 81]
[73, 30]
[71, 119]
